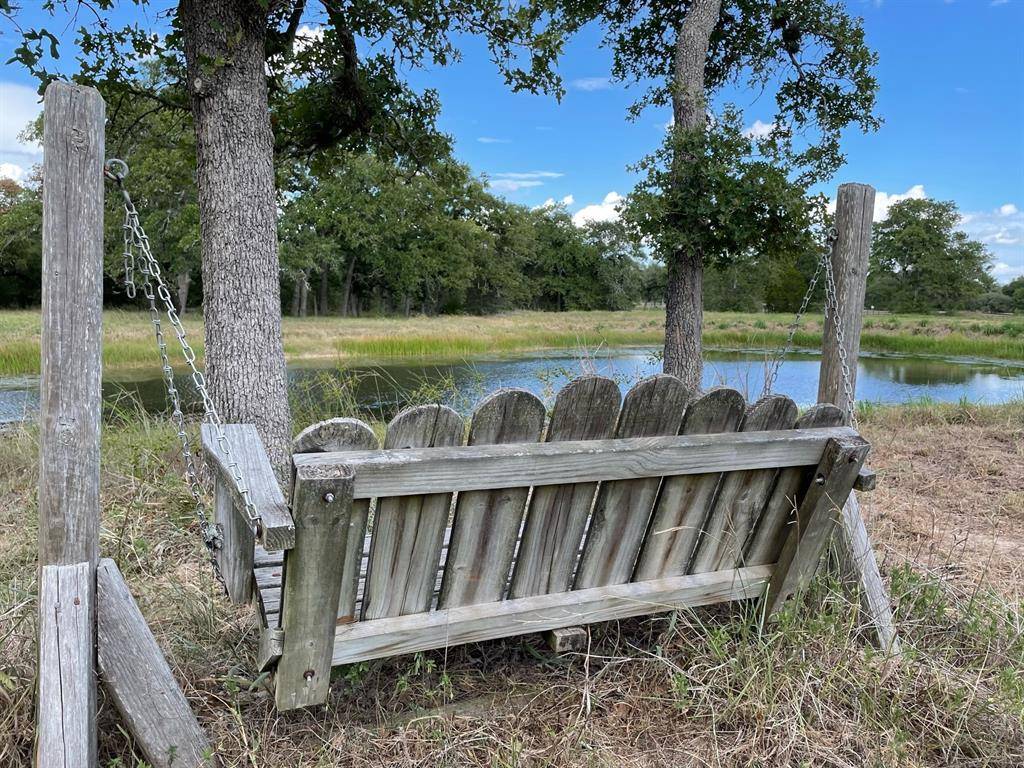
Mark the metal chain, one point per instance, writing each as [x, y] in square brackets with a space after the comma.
[772, 371]
[832, 302]
[139, 255]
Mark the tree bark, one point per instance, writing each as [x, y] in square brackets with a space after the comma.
[346, 308]
[184, 279]
[684, 300]
[225, 60]
[321, 303]
[304, 294]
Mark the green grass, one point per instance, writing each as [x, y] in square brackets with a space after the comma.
[700, 687]
[128, 335]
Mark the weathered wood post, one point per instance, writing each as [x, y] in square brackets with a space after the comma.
[69, 423]
[855, 205]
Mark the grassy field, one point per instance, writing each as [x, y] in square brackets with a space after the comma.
[700, 688]
[128, 335]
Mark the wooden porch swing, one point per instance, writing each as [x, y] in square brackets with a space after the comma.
[666, 499]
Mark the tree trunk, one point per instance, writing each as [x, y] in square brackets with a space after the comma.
[684, 300]
[321, 301]
[304, 294]
[347, 294]
[296, 297]
[225, 60]
[184, 279]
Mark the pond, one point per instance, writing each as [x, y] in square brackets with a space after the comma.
[380, 390]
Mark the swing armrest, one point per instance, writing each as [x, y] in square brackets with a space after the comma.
[276, 529]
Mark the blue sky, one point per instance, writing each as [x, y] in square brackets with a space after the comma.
[952, 97]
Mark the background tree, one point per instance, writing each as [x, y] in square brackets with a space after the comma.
[232, 58]
[21, 254]
[921, 262]
[707, 192]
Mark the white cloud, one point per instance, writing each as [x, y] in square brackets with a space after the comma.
[20, 107]
[513, 185]
[493, 140]
[884, 201]
[551, 203]
[12, 171]
[606, 210]
[591, 84]
[999, 2]
[306, 35]
[1002, 232]
[1009, 209]
[759, 130]
[513, 181]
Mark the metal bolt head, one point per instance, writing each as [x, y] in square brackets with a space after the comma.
[329, 498]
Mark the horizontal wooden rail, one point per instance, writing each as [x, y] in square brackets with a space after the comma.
[364, 640]
[415, 471]
[277, 531]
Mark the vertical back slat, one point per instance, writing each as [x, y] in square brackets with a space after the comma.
[685, 499]
[770, 531]
[653, 407]
[408, 531]
[742, 495]
[585, 409]
[487, 523]
[343, 434]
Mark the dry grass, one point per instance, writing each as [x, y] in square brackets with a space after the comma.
[697, 689]
[128, 336]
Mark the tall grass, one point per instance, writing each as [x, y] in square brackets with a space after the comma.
[128, 335]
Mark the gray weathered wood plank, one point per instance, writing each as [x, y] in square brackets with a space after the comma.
[140, 681]
[820, 512]
[622, 510]
[480, 467]
[684, 501]
[66, 703]
[742, 495]
[586, 409]
[276, 531]
[857, 557]
[867, 480]
[344, 434]
[71, 343]
[407, 531]
[772, 529]
[236, 556]
[489, 621]
[486, 523]
[322, 503]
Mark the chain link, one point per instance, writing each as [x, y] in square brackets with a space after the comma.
[832, 302]
[772, 371]
[139, 256]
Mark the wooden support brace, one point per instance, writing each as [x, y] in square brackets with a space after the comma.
[857, 561]
[66, 704]
[134, 671]
[819, 516]
[322, 505]
[866, 480]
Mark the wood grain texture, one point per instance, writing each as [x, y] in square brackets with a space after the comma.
[71, 344]
[140, 682]
[235, 557]
[322, 502]
[772, 529]
[416, 471]
[486, 523]
[344, 434]
[820, 512]
[276, 530]
[489, 621]
[855, 205]
[407, 531]
[867, 480]
[66, 701]
[622, 510]
[857, 559]
[684, 501]
[586, 409]
[742, 495]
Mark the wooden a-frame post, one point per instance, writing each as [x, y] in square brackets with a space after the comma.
[849, 258]
[82, 607]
